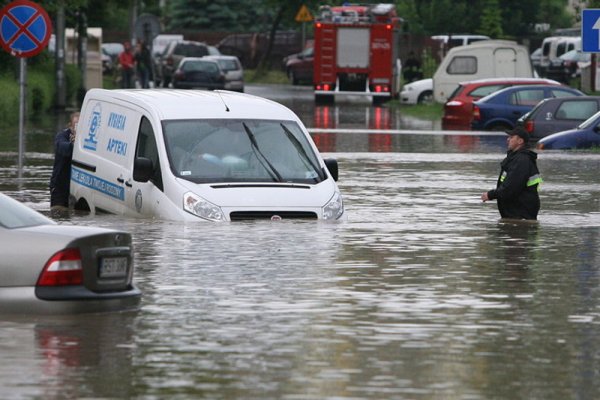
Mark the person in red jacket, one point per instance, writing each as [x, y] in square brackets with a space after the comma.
[517, 187]
[127, 63]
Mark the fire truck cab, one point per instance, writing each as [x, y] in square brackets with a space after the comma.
[356, 52]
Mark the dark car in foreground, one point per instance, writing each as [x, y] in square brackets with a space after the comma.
[458, 110]
[585, 136]
[48, 268]
[198, 73]
[558, 114]
[500, 110]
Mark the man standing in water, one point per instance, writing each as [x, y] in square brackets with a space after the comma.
[61, 172]
[517, 187]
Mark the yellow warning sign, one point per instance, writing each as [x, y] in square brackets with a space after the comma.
[304, 15]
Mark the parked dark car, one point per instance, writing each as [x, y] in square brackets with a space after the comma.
[50, 268]
[500, 110]
[249, 48]
[299, 66]
[568, 65]
[458, 110]
[198, 73]
[558, 114]
[174, 53]
[585, 136]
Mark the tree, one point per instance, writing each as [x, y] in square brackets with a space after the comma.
[491, 20]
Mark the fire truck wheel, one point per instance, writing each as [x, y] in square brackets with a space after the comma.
[324, 99]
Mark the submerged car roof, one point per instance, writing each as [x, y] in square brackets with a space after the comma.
[194, 104]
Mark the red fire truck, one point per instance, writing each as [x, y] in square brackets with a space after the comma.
[356, 52]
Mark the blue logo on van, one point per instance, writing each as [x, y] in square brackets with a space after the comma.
[95, 121]
[117, 121]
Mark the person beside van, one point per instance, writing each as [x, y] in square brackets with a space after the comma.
[143, 64]
[517, 188]
[127, 64]
[61, 171]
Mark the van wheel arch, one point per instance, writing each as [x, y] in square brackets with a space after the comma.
[82, 205]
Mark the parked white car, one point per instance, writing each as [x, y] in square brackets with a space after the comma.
[417, 92]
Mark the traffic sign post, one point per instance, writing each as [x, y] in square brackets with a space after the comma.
[25, 30]
[303, 15]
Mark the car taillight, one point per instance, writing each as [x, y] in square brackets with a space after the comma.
[63, 268]
[476, 113]
[179, 75]
[529, 125]
[381, 88]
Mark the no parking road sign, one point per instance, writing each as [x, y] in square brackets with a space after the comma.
[25, 28]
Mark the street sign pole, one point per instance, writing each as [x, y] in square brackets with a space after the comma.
[22, 112]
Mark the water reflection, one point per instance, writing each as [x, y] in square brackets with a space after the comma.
[421, 294]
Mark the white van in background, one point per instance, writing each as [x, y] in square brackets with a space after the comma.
[554, 47]
[459, 40]
[484, 59]
[195, 155]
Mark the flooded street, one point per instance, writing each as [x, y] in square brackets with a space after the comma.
[421, 294]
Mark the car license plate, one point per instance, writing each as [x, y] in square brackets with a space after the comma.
[113, 267]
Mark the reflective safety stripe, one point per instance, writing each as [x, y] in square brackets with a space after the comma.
[503, 176]
[534, 180]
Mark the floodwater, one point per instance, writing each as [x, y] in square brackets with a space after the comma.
[422, 294]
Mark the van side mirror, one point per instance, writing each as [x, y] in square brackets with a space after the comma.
[332, 166]
[142, 169]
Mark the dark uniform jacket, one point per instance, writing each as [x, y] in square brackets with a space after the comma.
[61, 172]
[517, 187]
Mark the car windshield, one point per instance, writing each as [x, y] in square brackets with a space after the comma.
[235, 150]
[590, 121]
[16, 215]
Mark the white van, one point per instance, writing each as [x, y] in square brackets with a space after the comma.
[484, 59]
[197, 155]
[554, 47]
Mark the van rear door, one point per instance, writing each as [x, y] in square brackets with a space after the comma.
[505, 62]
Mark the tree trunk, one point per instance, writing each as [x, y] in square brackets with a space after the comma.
[265, 61]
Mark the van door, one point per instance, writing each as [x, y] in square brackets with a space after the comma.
[505, 62]
[144, 197]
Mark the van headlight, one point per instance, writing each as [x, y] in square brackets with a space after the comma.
[334, 207]
[202, 208]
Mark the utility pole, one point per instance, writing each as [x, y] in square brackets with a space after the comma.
[59, 56]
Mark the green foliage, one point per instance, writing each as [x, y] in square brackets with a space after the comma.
[9, 101]
[491, 20]
[40, 92]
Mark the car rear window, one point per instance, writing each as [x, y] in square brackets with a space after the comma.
[191, 50]
[483, 91]
[13, 214]
[579, 109]
[228, 65]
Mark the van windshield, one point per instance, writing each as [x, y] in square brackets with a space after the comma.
[234, 150]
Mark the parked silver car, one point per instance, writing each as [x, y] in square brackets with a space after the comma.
[234, 73]
[47, 268]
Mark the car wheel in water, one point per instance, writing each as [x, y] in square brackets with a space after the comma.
[426, 97]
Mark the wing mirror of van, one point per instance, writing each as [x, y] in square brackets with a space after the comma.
[142, 169]
[332, 166]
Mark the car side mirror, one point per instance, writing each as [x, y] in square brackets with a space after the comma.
[142, 169]
[332, 167]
